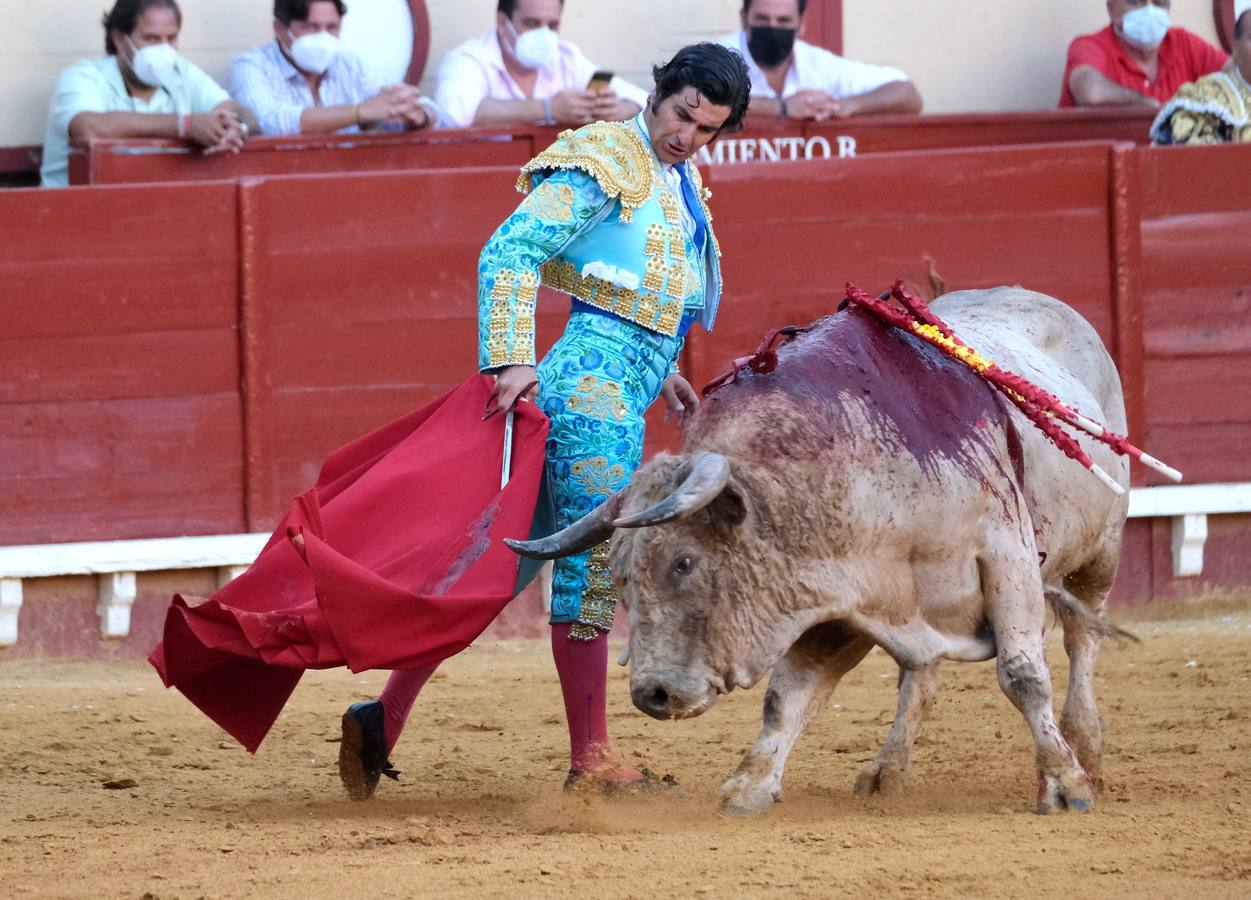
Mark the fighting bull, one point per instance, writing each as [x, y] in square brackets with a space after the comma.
[871, 491]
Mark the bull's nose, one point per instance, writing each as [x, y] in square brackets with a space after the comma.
[652, 698]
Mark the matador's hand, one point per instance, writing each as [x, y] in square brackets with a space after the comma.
[511, 384]
[681, 400]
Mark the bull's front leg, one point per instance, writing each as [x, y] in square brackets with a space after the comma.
[799, 688]
[887, 771]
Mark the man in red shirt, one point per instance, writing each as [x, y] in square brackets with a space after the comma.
[1140, 59]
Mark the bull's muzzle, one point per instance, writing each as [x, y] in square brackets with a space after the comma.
[670, 696]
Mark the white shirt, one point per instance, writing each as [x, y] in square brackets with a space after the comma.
[815, 68]
[475, 71]
[96, 86]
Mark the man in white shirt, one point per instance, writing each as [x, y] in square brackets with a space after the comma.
[793, 79]
[141, 88]
[521, 72]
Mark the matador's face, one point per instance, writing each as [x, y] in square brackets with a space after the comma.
[683, 123]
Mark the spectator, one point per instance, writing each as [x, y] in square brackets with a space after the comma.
[791, 78]
[141, 88]
[1215, 109]
[1140, 59]
[304, 83]
[521, 72]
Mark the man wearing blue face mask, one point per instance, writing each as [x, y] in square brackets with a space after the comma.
[521, 73]
[142, 88]
[303, 82]
[1140, 59]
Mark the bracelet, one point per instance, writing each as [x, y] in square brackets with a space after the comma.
[782, 114]
[184, 126]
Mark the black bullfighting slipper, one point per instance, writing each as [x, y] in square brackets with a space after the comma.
[649, 785]
[363, 750]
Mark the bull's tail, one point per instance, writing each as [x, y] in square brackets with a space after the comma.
[1069, 607]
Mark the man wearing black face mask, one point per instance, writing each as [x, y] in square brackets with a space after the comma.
[793, 79]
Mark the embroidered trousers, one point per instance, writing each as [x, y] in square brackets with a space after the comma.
[595, 385]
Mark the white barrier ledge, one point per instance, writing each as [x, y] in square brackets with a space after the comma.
[116, 562]
[1189, 506]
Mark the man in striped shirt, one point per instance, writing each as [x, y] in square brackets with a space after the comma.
[304, 83]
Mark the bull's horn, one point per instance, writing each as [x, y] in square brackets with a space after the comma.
[589, 531]
[709, 474]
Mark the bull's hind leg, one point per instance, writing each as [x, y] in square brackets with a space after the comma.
[1079, 722]
[799, 688]
[886, 773]
[1014, 595]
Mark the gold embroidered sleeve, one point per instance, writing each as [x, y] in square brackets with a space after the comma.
[508, 269]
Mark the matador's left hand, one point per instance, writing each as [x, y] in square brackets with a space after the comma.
[681, 400]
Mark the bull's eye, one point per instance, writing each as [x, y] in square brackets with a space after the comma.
[682, 567]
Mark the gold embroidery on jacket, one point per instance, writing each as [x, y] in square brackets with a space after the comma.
[669, 204]
[654, 279]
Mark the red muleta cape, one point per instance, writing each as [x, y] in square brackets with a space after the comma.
[402, 565]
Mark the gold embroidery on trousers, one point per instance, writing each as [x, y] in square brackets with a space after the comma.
[599, 598]
[599, 400]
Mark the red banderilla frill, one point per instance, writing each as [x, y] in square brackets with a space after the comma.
[1037, 404]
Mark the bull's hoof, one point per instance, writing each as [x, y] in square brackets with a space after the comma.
[880, 777]
[739, 797]
[1068, 791]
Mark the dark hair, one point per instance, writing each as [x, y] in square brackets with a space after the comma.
[125, 14]
[715, 71]
[803, 5]
[1240, 25]
[508, 7]
[288, 11]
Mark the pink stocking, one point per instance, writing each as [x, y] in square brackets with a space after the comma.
[583, 670]
[397, 699]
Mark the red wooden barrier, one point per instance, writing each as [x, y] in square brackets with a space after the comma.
[135, 161]
[119, 373]
[794, 233]
[120, 386]
[1196, 243]
[118, 162]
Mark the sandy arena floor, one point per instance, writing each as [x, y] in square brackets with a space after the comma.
[479, 811]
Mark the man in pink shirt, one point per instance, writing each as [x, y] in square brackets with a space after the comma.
[1140, 59]
[521, 72]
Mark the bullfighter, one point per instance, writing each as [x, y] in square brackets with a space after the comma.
[616, 217]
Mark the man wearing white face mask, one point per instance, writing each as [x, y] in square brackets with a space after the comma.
[304, 82]
[521, 72]
[142, 88]
[1140, 59]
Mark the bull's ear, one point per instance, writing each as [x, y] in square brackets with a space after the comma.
[729, 510]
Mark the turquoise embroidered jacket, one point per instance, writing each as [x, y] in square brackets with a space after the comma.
[601, 224]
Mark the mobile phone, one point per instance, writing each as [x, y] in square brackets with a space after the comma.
[600, 80]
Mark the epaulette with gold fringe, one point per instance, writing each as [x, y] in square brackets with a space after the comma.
[612, 153]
